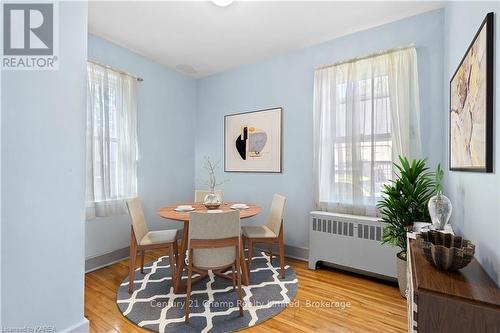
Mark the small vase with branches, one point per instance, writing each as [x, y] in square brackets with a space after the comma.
[212, 201]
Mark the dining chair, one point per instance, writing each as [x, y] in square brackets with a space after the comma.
[214, 244]
[199, 195]
[141, 239]
[271, 233]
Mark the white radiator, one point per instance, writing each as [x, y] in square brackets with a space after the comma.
[351, 242]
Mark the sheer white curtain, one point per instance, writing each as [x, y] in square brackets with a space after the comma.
[111, 141]
[366, 114]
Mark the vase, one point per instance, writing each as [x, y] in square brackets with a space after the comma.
[211, 201]
[440, 210]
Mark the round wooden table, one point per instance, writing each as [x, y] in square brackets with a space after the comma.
[169, 213]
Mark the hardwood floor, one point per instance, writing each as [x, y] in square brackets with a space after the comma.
[374, 306]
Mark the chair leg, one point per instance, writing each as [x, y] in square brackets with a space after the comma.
[238, 278]
[244, 244]
[176, 250]
[171, 260]
[281, 244]
[188, 288]
[243, 262]
[271, 253]
[142, 261]
[234, 275]
[250, 254]
[133, 253]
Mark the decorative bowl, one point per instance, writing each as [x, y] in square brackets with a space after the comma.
[446, 251]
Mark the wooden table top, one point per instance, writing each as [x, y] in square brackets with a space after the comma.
[168, 212]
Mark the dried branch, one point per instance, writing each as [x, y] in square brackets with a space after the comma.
[211, 168]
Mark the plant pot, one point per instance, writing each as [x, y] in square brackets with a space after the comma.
[401, 270]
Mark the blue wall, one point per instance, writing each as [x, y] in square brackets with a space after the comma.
[166, 121]
[287, 81]
[474, 196]
[43, 185]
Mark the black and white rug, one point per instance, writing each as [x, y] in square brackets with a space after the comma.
[154, 305]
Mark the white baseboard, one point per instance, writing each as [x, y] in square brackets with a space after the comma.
[94, 263]
[103, 260]
[294, 252]
[81, 327]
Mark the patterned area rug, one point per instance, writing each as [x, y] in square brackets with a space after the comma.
[214, 308]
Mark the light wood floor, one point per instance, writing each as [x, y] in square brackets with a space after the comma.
[374, 306]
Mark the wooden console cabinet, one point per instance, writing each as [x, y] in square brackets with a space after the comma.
[464, 301]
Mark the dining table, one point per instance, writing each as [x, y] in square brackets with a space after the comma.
[170, 213]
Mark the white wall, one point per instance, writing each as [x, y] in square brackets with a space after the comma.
[43, 184]
[166, 120]
[475, 196]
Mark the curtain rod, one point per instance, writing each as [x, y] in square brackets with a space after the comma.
[367, 56]
[140, 79]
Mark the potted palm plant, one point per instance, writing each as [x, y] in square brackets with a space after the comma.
[404, 202]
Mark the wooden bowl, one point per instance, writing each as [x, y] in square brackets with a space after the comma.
[446, 251]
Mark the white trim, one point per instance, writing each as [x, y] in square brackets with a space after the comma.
[92, 269]
[81, 327]
[294, 252]
[103, 260]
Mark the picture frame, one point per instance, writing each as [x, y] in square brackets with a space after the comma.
[471, 105]
[253, 141]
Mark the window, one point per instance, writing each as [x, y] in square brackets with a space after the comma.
[111, 141]
[375, 142]
[361, 123]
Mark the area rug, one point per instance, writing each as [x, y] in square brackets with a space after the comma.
[154, 306]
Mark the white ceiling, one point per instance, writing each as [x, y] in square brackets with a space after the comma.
[199, 38]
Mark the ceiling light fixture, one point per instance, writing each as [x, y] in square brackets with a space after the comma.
[222, 3]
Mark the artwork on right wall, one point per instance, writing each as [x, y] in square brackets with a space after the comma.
[471, 105]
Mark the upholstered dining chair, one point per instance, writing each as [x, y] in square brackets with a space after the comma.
[270, 233]
[199, 195]
[141, 239]
[214, 244]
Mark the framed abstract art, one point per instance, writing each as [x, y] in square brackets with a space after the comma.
[252, 141]
[471, 105]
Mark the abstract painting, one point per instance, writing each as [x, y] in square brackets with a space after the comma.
[471, 105]
[252, 141]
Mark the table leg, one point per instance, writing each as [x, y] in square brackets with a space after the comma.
[181, 259]
[244, 267]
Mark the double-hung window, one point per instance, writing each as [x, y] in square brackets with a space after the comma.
[111, 141]
[362, 112]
